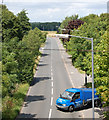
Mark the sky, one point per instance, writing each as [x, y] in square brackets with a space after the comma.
[56, 10]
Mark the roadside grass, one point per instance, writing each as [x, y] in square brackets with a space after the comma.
[51, 33]
[12, 105]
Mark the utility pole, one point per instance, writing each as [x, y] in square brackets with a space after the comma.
[92, 79]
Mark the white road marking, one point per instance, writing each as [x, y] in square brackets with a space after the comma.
[51, 78]
[52, 84]
[50, 113]
[51, 74]
[29, 91]
[51, 101]
[52, 87]
[52, 91]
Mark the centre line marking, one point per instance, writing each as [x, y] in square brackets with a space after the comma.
[51, 78]
[50, 113]
[52, 91]
[51, 74]
[52, 84]
[51, 101]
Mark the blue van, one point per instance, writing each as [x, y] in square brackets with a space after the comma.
[76, 97]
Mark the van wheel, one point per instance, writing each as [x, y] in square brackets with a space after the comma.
[71, 108]
[85, 104]
[97, 103]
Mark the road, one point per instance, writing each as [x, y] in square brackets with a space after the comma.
[50, 80]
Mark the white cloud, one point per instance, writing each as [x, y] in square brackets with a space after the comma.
[36, 1]
[56, 10]
[50, 10]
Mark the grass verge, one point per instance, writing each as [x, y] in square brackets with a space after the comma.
[51, 33]
[12, 105]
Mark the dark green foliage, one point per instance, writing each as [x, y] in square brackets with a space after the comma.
[19, 54]
[10, 25]
[68, 25]
[14, 26]
[20, 48]
[74, 24]
[48, 26]
[65, 22]
[24, 23]
[95, 27]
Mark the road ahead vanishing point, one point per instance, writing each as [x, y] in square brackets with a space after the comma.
[51, 79]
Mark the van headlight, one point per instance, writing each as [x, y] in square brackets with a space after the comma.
[64, 104]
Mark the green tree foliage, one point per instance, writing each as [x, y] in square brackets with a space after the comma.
[94, 27]
[65, 22]
[14, 26]
[20, 49]
[24, 23]
[10, 25]
[28, 50]
[47, 26]
[74, 24]
[67, 19]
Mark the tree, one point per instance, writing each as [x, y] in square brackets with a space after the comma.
[20, 48]
[74, 24]
[94, 27]
[10, 25]
[65, 22]
[25, 26]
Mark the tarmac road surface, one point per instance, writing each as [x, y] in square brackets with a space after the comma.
[51, 78]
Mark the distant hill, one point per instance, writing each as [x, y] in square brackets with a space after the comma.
[47, 26]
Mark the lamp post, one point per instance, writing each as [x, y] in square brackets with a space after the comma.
[92, 78]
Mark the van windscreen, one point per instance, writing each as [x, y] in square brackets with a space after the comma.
[67, 95]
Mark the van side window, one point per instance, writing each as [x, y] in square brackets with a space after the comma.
[76, 96]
